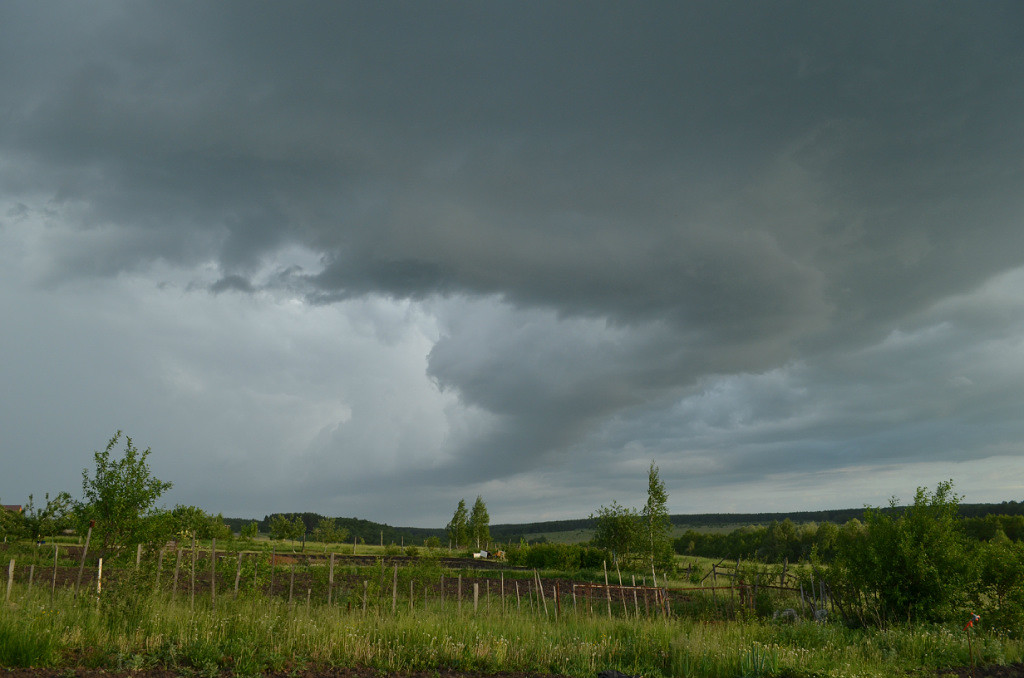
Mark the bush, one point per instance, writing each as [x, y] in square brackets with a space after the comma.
[911, 566]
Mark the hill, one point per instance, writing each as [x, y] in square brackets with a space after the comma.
[579, 529]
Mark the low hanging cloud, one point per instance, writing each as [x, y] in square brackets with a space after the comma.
[532, 247]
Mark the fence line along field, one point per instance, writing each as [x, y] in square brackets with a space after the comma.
[208, 610]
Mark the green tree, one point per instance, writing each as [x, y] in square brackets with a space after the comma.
[911, 565]
[480, 523]
[249, 531]
[618, 531]
[188, 522]
[56, 516]
[329, 533]
[657, 525]
[120, 497]
[458, 526]
[12, 525]
[286, 527]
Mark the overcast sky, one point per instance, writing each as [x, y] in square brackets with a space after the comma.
[365, 259]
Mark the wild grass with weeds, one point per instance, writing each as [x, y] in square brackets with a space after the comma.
[254, 634]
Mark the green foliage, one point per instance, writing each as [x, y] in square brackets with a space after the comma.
[432, 542]
[286, 527]
[56, 516]
[913, 566]
[458, 527]
[12, 525]
[564, 557]
[479, 523]
[657, 524]
[618, 531]
[329, 533]
[120, 497]
[249, 531]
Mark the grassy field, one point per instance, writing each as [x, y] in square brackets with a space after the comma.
[136, 624]
[251, 635]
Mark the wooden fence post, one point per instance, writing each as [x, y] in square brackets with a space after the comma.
[607, 588]
[330, 581]
[53, 585]
[238, 573]
[10, 580]
[177, 565]
[394, 590]
[192, 578]
[81, 568]
[213, 573]
[476, 597]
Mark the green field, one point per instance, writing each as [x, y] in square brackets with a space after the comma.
[371, 620]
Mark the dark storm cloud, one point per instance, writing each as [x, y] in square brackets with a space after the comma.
[621, 202]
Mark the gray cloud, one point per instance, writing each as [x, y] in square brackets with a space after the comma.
[676, 230]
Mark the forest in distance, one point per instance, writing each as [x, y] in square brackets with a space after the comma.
[372, 532]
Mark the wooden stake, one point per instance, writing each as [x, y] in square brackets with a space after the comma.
[53, 585]
[394, 590]
[238, 573]
[138, 556]
[81, 568]
[192, 578]
[213, 573]
[607, 588]
[273, 568]
[177, 564]
[330, 580]
[519, 605]
[10, 580]
[476, 597]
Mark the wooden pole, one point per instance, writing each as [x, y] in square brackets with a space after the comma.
[177, 564]
[159, 567]
[213, 573]
[636, 603]
[81, 568]
[238, 573]
[476, 597]
[394, 590]
[540, 589]
[330, 581]
[53, 584]
[519, 604]
[10, 580]
[273, 568]
[192, 578]
[138, 556]
[607, 588]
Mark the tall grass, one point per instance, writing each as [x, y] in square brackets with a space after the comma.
[133, 629]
